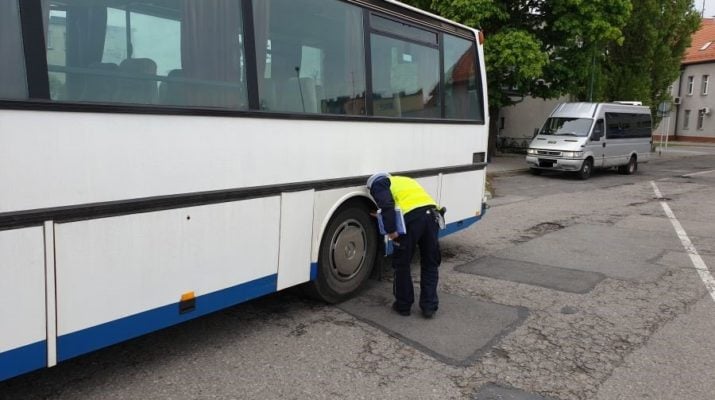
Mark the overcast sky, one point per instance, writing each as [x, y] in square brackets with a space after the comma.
[709, 7]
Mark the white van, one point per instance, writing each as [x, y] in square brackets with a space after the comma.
[579, 137]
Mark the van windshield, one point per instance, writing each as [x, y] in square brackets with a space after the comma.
[567, 127]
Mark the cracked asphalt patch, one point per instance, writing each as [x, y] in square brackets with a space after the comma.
[463, 329]
[596, 248]
[562, 279]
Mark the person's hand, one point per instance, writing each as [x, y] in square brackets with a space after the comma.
[393, 235]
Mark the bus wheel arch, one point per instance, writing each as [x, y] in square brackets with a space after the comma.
[347, 251]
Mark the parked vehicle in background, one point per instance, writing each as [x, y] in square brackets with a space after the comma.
[579, 137]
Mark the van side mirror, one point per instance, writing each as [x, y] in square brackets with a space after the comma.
[536, 132]
[596, 136]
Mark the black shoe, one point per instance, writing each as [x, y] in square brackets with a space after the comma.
[428, 313]
[404, 313]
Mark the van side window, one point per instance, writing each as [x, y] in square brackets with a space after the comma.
[628, 126]
[598, 130]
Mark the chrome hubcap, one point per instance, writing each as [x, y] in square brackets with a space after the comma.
[347, 250]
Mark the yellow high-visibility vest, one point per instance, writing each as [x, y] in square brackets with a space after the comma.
[408, 194]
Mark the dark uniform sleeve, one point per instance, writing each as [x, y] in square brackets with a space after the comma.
[380, 191]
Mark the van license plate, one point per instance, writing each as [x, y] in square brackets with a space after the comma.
[546, 163]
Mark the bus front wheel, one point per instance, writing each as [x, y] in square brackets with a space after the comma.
[347, 254]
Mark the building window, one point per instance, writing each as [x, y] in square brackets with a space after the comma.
[686, 119]
[706, 80]
[691, 80]
[701, 117]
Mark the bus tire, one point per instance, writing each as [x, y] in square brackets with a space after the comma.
[630, 168]
[586, 169]
[347, 254]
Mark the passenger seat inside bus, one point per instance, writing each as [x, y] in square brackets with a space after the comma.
[173, 91]
[100, 84]
[138, 81]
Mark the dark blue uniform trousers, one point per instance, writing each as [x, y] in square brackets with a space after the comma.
[422, 232]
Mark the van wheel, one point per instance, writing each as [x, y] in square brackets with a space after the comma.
[535, 171]
[586, 169]
[347, 255]
[630, 168]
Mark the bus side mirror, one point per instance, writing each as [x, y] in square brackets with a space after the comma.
[536, 132]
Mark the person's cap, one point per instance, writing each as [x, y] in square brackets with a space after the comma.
[376, 177]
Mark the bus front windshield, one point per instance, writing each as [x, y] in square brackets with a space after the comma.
[567, 127]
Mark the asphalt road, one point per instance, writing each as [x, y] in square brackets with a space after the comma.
[567, 289]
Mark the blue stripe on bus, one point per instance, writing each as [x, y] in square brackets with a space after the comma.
[23, 359]
[96, 337]
[458, 226]
[313, 271]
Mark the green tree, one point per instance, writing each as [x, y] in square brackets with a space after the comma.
[576, 32]
[648, 62]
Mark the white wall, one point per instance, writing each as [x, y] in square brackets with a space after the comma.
[520, 120]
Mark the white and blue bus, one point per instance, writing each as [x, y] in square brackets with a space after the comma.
[164, 159]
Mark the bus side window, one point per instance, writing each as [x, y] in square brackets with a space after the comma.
[13, 83]
[315, 66]
[94, 57]
[462, 99]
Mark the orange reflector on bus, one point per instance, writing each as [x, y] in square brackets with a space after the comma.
[481, 37]
[187, 303]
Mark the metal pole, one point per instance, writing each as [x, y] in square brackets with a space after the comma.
[660, 147]
[667, 133]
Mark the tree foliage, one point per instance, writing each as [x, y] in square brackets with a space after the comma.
[538, 47]
[648, 61]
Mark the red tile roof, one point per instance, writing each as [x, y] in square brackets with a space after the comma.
[705, 34]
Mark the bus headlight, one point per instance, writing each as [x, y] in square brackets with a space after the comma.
[572, 154]
[530, 151]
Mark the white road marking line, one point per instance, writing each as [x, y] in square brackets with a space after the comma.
[701, 173]
[697, 261]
